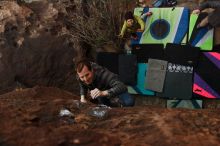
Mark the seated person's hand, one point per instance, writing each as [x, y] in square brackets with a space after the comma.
[196, 11]
[149, 13]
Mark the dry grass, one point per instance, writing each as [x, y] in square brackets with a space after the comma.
[97, 23]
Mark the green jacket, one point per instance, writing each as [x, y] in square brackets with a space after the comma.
[138, 24]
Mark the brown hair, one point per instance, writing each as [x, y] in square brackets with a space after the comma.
[129, 15]
[79, 64]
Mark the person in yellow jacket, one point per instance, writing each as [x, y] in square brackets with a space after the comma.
[131, 25]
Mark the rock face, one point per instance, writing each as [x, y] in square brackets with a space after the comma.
[36, 46]
[33, 49]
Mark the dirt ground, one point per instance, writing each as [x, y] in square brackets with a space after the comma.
[30, 117]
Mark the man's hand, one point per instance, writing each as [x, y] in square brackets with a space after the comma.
[97, 93]
[197, 11]
[83, 99]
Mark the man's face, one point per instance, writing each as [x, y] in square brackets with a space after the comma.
[130, 22]
[86, 75]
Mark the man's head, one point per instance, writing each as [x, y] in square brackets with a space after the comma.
[129, 17]
[84, 71]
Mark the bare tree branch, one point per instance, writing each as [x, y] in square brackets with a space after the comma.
[99, 26]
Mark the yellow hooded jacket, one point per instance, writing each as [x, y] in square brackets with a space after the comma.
[138, 24]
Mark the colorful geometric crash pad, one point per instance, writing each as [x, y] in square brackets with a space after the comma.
[202, 37]
[207, 76]
[139, 88]
[166, 25]
[189, 104]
